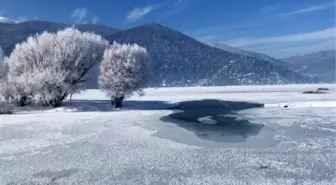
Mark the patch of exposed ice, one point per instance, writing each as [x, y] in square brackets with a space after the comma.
[207, 120]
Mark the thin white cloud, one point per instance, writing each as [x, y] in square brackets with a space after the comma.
[287, 50]
[95, 19]
[174, 11]
[180, 5]
[137, 13]
[218, 33]
[218, 30]
[316, 46]
[78, 14]
[328, 33]
[270, 9]
[307, 10]
[176, 7]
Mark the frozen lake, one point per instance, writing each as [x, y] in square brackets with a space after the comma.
[196, 135]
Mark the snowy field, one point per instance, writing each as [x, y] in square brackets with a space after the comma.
[198, 135]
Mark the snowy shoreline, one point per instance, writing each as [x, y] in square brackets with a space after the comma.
[97, 144]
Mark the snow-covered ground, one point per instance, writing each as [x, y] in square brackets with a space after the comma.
[204, 142]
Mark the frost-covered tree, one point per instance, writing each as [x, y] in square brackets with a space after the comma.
[5, 107]
[53, 65]
[3, 66]
[3, 73]
[3, 77]
[123, 71]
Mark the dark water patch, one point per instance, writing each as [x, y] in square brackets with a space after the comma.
[106, 105]
[215, 120]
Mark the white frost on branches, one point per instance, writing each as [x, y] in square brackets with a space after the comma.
[3, 76]
[5, 107]
[124, 70]
[53, 65]
[3, 66]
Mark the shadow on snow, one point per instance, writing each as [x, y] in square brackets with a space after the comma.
[94, 106]
[106, 106]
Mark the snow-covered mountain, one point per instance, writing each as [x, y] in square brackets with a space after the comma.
[6, 20]
[319, 64]
[178, 60]
[246, 52]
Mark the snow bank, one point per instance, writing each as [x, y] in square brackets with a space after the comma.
[310, 104]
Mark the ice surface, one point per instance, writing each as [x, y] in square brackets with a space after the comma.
[88, 142]
[207, 120]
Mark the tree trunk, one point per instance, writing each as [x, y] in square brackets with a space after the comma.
[55, 102]
[118, 101]
[70, 97]
[21, 101]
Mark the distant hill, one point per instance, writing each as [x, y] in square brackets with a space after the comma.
[181, 60]
[320, 64]
[246, 52]
[178, 60]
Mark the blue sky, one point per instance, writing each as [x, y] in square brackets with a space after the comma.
[279, 28]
